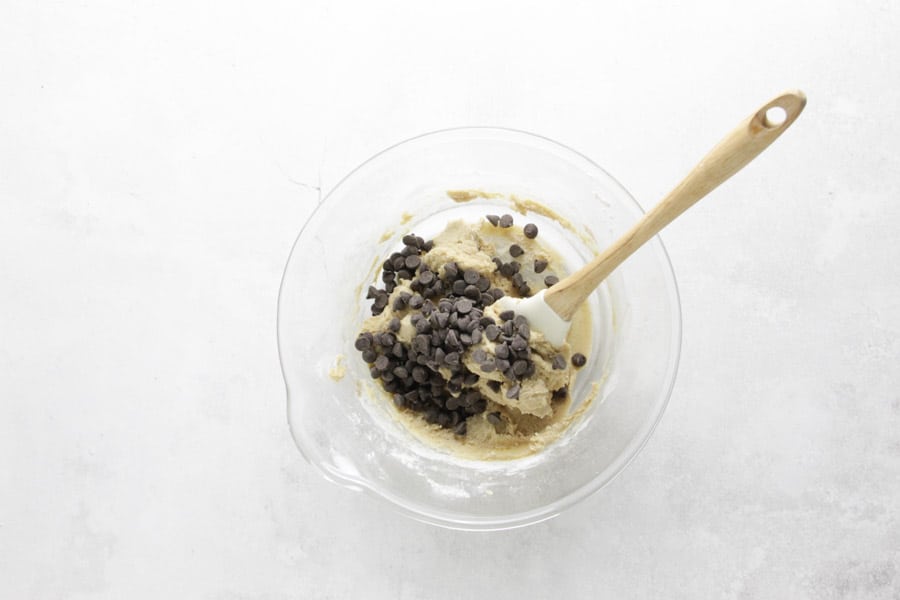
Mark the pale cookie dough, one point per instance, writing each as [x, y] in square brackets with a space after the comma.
[484, 411]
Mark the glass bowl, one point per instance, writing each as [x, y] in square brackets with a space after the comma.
[348, 431]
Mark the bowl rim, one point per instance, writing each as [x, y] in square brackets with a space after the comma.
[459, 521]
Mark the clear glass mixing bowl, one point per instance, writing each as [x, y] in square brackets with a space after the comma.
[349, 433]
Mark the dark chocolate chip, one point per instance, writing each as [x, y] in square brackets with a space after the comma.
[363, 342]
[422, 343]
[493, 219]
[488, 365]
[520, 320]
[452, 359]
[539, 265]
[397, 350]
[369, 355]
[494, 385]
[373, 291]
[451, 270]
[382, 363]
[551, 280]
[524, 290]
[394, 325]
[530, 230]
[502, 351]
[460, 429]
[471, 276]
[483, 284]
[494, 418]
[463, 306]
[507, 269]
[497, 293]
[459, 287]
[416, 301]
[513, 392]
[505, 221]
[492, 332]
[519, 367]
[470, 379]
[452, 339]
[518, 343]
[559, 362]
[579, 359]
[525, 331]
[472, 293]
[507, 315]
[516, 250]
[426, 277]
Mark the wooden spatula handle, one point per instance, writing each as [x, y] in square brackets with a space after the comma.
[737, 149]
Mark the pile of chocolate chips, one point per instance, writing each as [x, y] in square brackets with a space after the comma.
[447, 311]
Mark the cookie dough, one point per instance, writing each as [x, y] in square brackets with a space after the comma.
[462, 374]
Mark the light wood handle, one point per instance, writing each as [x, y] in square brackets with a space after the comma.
[737, 149]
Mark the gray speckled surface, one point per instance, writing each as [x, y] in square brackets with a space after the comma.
[156, 164]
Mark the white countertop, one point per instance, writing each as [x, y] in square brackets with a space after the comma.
[156, 163]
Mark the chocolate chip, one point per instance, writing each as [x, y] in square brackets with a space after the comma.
[513, 392]
[551, 280]
[422, 343]
[502, 351]
[423, 326]
[394, 325]
[452, 359]
[470, 379]
[518, 280]
[494, 385]
[487, 299]
[460, 429]
[380, 301]
[505, 221]
[386, 339]
[439, 356]
[382, 363]
[397, 350]
[507, 269]
[419, 374]
[525, 331]
[428, 246]
[518, 343]
[507, 328]
[426, 277]
[409, 239]
[463, 306]
[493, 219]
[579, 360]
[560, 393]
[472, 293]
[476, 336]
[369, 355]
[516, 250]
[501, 364]
[497, 262]
[530, 230]
[494, 418]
[400, 372]
[452, 339]
[479, 355]
[373, 291]
[483, 284]
[398, 260]
[416, 301]
[497, 293]
[471, 276]
[492, 332]
[559, 362]
[413, 262]
[520, 320]
[519, 367]
[451, 270]
[374, 372]
[539, 265]
[507, 315]
[363, 342]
